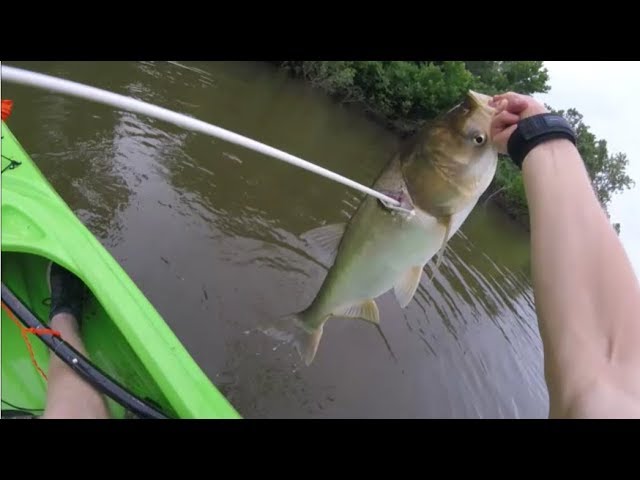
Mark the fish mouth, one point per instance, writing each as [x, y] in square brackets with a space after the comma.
[480, 100]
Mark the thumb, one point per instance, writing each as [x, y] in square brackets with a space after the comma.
[515, 103]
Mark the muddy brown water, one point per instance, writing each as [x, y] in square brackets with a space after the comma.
[210, 232]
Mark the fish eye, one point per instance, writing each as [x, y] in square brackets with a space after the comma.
[479, 139]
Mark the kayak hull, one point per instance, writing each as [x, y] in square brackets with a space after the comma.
[123, 333]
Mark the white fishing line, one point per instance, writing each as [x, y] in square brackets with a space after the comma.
[68, 87]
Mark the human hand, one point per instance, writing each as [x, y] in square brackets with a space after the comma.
[510, 109]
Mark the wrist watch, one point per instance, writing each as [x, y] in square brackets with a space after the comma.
[537, 129]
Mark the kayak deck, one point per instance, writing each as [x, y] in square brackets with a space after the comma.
[123, 334]
[25, 275]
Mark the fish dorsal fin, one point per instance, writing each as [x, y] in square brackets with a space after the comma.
[446, 221]
[325, 239]
[367, 310]
[407, 285]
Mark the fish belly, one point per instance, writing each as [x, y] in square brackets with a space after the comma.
[377, 250]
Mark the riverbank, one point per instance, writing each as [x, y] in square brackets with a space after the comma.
[402, 111]
[400, 96]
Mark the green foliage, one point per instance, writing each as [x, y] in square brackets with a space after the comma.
[404, 91]
[403, 94]
[334, 77]
[498, 77]
[607, 172]
[616, 227]
[508, 182]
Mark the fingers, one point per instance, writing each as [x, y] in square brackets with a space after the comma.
[501, 105]
[502, 126]
[500, 138]
[505, 135]
[503, 120]
[510, 108]
[512, 102]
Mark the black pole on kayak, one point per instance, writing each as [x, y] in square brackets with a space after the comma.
[80, 364]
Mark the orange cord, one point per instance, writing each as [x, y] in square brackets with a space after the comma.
[35, 331]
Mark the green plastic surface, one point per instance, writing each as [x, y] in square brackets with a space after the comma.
[124, 334]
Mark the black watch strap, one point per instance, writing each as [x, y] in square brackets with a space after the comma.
[537, 129]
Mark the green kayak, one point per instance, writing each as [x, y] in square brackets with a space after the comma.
[131, 350]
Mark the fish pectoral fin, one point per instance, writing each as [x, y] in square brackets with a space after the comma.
[407, 285]
[367, 310]
[325, 239]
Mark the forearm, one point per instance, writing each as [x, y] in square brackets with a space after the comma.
[587, 296]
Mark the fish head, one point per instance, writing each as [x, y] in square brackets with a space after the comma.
[469, 124]
[453, 160]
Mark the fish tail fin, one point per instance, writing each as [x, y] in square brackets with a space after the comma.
[296, 329]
